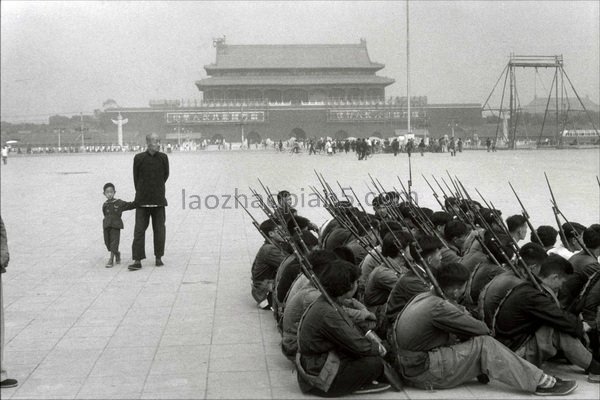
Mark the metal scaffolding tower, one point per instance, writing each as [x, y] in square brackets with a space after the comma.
[513, 109]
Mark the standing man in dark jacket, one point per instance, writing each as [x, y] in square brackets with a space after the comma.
[150, 172]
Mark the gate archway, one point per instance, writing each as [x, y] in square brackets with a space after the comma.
[298, 133]
[253, 138]
[341, 135]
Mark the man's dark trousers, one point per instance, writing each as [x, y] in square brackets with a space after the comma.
[142, 219]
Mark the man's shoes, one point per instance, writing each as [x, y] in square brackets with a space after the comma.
[593, 372]
[8, 383]
[560, 388]
[159, 262]
[118, 257]
[109, 263]
[373, 387]
[135, 266]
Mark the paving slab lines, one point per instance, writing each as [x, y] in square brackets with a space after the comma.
[76, 329]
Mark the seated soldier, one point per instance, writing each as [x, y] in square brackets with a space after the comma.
[469, 208]
[365, 225]
[493, 293]
[439, 219]
[285, 201]
[426, 213]
[455, 233]
[350, 223]
[547, 235]
[430, 355]
[451, 204]
[487, 269]
[383, 278]
[475, 253]
[384, 205]
[517, 226]
[381, 208]
[584, 266]
[333, 223]
[370, 262]
[531, 322]
[411, 284]
[302, 280]
[299, 302]
[588, 305]
[334, 358]
[265, 265]
[338, 237]
[534, 255]
[290, 268]
[571, 230]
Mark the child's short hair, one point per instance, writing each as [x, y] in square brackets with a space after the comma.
[108, 185]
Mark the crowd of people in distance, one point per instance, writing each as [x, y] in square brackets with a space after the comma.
[113, 148]
[408, 296]
[363, 147]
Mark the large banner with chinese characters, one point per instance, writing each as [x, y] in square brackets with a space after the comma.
[370, 115]
[215, 117]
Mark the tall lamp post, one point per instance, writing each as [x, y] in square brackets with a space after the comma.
[407, 68]
[81, 129]
[242, 124]
[179, 133]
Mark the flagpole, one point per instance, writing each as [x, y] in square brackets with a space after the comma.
[407, 68]
[408, 99]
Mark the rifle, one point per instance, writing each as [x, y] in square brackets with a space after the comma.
[487, 227]
[435, 195]
[257, 226]
[427, 267]
[576, 234]
[517, 255]
[526, 215]
[423, 222]
[304, 262]
[390, 209]
[440, 186]
[407, 260]
[513, 243]
[563, 237]
[375, 232]
[349, 225]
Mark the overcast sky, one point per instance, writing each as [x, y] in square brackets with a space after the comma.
[66, 57]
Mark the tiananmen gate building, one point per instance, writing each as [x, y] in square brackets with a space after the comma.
[276, 92]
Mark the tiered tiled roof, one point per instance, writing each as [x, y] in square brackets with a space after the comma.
[299, 56]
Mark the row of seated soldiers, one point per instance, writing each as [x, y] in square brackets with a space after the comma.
[485, 321]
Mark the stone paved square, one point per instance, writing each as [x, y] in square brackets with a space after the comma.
[190, 329]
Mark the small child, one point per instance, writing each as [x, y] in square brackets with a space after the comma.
[112, 223]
